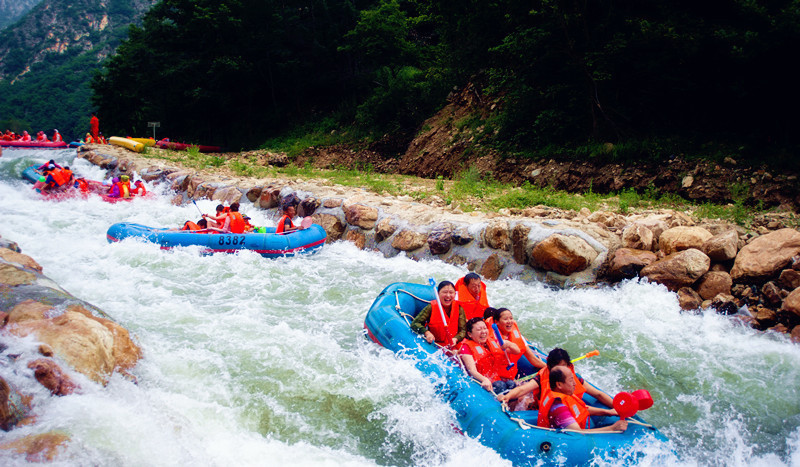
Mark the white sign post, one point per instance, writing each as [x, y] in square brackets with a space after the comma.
[154, 125]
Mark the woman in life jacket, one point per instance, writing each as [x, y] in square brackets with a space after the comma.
[483, 357]
[285, 222]
[200, 225]
[563, 409]
[217, 221]
[428, 321]
[471, 294]
[526, 362]
[57, 136]
[235, 222]
[138, 188]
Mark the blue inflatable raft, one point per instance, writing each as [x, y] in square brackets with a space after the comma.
[269, 244]
[512, 434]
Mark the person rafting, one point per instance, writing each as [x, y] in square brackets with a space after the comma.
[25, 136]
[138, 188]
[88, 139]
[471, 294]
[483, 357]
[429, 323]
[522, 364]
[49, 165]
[57, 136]
[235, 222]
[562, 408]
[285, 222]
[199, 225]
[216, 222]
[532, 391]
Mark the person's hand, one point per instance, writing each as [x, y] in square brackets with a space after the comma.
[620, 425]
[455, 341]
[503, 397]
[429, 337]
[487, 384]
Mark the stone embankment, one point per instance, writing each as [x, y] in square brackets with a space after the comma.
[707, 263]
[70, 333]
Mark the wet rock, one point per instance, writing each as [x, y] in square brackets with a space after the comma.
[779, 328]
[791, 303]
[457, 260]
[562, 254]
[637, 237]
[764, 256]
[205, 191]
[682, 238]
[308, 207]
[461, 236]
[20, 259]
[795, 334]
[722, 247]
[492, 267]
[771, 294]
[725, 304]
[269, 198]
[253, 194]
[152, 174]
[333, 226]
[714, 283]
[603, 217]
[681, 269]
[177, 200]
[765, 317]
[180, 183]
[519, 243]
[192, 184]
[357, 237]
[13, 276]
[688, 299]
[227, 195]
[38, 448]
[91, 345]
[655, 224]
[361, 216]
[331, 203]
[789, 279]
[626, 263]
[384, 229]
[9, 245]
[50, 375]
[409, 240]
[496, 236]
[439, 240]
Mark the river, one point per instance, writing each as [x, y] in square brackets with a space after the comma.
[251, 361]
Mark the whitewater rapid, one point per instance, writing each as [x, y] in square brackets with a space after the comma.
[251, 361]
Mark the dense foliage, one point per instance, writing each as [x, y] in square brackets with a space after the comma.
[564, 72]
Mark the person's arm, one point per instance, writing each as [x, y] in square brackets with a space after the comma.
[519, 391]
[619, 425]
[290, 227]
[599, 411]
[469, 364]
[462, 325]
[601, 397]
[533, 358]
[419, 324]
[511, 347]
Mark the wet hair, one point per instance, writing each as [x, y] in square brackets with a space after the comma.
[488, 312]
[471, 277]
[220, 208]
[497, 313]
[557, 356]
[444, 284]
[203, 223]
[472, 322]
[66, 167]
[557, 375]
[235, 207]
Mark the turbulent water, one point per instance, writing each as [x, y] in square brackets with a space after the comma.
[250, 361]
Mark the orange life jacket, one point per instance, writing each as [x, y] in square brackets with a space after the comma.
[82, 185]
[515, 337]
[139, 189]
[544, 383]
[189, 225]
[436, 325]
[67, 175]
[236, 224]
[472, 307]
[575, 405]
[282, 222]
[59, 176]
[487, 360]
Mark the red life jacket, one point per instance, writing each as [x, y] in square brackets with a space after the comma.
[472, 308]
[436, 325]
[189, 225]
[67, 175]
[25, 138]
[83, 185]
[544, 383]
[487, 358]
[575, 405]
[236, 224]
[282, 223]
[515, 337]
[139, 189]
[57, 137]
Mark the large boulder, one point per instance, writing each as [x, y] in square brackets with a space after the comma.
[50, 375]
[792, 303]
[714, 283]
[688, 299]
[308, 207]
[409, 240]
[722, 247]
[269, 198]
[384, 229]
[789, 279]
[626, 263]
[563, 254]
[357, 237]
[682, 238]
[637, 237]
[492, 267]
[361, 216]
[519, 243]
[681, 269]
[91, 345]
[227, 195]
[333, 226]
[440, 239]
[765, 256]
[18, 258]
[38, 448]
[497, 236]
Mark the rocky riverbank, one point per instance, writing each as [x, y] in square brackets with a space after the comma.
[77, 345]
[752, 274]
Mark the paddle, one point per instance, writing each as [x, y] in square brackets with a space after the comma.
[593, 353]
[500, 340]
[447, 334]
[306, 223]
[626, 405]
[198, 207]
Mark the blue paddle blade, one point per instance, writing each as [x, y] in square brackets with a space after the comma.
[432, 282]
[497, 333]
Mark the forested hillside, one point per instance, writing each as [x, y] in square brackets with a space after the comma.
[657, 76]
[48, 58]
[12, 10]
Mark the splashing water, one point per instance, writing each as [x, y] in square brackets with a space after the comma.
[250, 361]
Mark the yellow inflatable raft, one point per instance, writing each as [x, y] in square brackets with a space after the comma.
[149, 142]
[126, 143]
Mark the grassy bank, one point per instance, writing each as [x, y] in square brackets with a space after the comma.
[470, 190]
